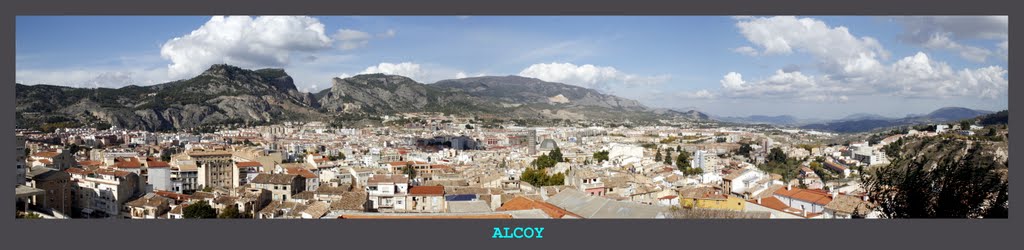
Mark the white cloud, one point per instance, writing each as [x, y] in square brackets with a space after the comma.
[700, 94]
[949, 32]
[746, 50]
[92, 78]
[388, 34]
[406, 69]
[840, 52]
[244, 41]
[733, 81]
[914, 76]
[942, 41]
[851, 66]
[352, 39]
[587, 75]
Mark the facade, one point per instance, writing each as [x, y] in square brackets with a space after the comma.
[215, 168]
[57, 185]
[149, 206]
[426, 199]
[19, 161]
[158, 175]
[387, 191]
[245, 171]
[281, 186]
[59, 159]
[102, 192]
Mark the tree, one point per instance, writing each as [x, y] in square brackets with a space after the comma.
[200, 210]
[668, 157]
[927, 180]
[679, 148]
[231, 212]
[657, 155]
[469, 126]
[165, 157]
[409, 170]
[776, 155]
[683, 161]
[556, 154]
[965, 124]
[601, 156]
[744, 150]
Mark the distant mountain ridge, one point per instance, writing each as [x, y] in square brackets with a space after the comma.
[864, 123]
[225, 94]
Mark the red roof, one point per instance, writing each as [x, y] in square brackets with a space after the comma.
[90, 163]
[248, 164]
[427, 190]
[815, 196]
[127, 163]
[305, 173]
[47, 154]
[157, 164]
[523, 203]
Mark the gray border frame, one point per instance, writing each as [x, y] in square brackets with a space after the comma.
[389, 234]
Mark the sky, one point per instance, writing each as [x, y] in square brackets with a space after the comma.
[806, 66]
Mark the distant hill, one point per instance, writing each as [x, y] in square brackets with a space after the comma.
[866, 122]
[222, 94]
[226, 94]
[762, 119]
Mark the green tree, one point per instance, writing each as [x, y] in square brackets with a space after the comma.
[744, 150]
[683, 161]
[601, 156]
[230, 212]
[409, 170]
[668, 157]
[965, 124]
[679, 148]
[469, 126]
[657, 155]
[199, 210]
[556, 154]
[927, 180]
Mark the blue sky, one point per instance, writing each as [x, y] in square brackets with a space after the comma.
[810, 67]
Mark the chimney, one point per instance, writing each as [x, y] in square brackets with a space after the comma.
[758, 200]
[805, 213]
[789, 186]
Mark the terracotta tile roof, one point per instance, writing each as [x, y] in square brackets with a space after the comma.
[127, 163]
[157, 164]
[427, 190]
[283, 179]
[305, 173]
[387, 178]
[90, 163]
[46, 154]
[815, 196]
[523, 203]
[248, 164]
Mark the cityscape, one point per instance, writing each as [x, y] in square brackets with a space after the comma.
[235, 120]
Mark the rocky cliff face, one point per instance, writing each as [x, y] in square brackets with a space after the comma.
[222, 94]
[225, 94]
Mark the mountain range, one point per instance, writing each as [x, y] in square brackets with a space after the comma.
[867, 122]
[225, 94]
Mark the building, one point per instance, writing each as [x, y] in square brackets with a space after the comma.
[102, 192]
[426, 199]
[387, 191]
[809, 201]
[709, 198]
[20, 154]
[158, 176]
[59, 160]
[281, 186]
[149, 206]
[848, 207]
[215, 168]
[57, 185]
[185, 178]
[245, 171]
